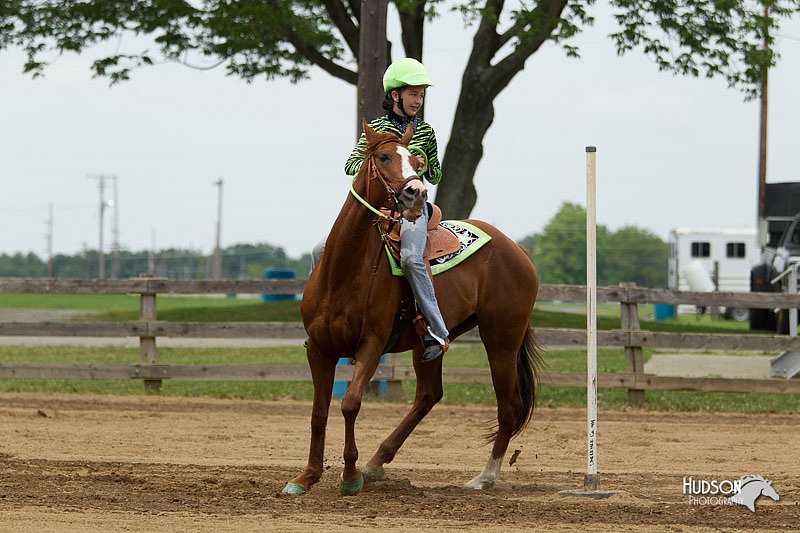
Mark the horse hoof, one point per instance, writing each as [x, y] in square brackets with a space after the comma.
[293, 488]
[479, 484]
[372, 474]
[351, 488]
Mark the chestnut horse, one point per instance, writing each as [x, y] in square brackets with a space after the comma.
[349, 306]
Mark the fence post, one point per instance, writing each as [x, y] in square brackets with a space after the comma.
[629, 322]
[394, 387]
[147, 345]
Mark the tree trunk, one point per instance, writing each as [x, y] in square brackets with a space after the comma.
[412, 25]
[484, 78]
[456, 194]
[371, 61]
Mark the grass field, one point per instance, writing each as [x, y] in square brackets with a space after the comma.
[221, 309]
[120, 308]
[467, 355]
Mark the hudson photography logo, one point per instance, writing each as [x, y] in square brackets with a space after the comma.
[743, 491]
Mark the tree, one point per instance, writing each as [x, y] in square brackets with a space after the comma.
[284, 38]
[560, 249]
[24, 266]
[629, 254]
[238, 261]
[634, 254]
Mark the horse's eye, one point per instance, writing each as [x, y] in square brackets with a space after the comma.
[384, 158]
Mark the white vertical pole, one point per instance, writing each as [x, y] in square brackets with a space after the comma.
[591, 479]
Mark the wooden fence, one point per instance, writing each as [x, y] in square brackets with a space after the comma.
[148, 328]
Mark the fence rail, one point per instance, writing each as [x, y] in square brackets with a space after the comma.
[148, 329]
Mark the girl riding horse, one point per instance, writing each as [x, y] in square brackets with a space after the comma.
[405, 82]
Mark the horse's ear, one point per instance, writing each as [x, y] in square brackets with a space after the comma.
[407, 135]
[368, 132]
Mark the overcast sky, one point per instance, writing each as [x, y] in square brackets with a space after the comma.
[672, 152]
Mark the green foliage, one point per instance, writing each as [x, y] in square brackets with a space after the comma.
[708, 38]
[283, 38]
[629, 254]
[270, 39]
[634, 254]
[28, 266]
[240, 261]
[560, 250]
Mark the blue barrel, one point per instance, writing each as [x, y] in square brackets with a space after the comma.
[340, 387]
[278, 273]
[664, 311]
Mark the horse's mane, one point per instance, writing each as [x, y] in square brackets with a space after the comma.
[377, 139]
[748, 479]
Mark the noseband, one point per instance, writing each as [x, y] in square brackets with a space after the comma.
[390, 192]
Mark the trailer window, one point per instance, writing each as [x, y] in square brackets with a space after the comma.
[735, 249]
[796, 235]
[701, 249]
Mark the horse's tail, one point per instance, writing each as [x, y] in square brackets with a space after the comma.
[530, 366]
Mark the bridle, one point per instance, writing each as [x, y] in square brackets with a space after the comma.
[375, 174]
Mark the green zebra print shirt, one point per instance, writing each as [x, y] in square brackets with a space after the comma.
[422, 144]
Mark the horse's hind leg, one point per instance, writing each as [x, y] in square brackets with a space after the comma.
[502, 350]
[322, 373]
[429, 392]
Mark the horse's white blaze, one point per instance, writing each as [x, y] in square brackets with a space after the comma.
[405, 157]
[487, 478]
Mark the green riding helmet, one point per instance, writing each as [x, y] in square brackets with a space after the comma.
[405, 72]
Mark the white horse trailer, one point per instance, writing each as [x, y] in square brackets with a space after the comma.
[725, 255]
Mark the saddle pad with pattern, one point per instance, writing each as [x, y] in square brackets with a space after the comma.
[470, 238]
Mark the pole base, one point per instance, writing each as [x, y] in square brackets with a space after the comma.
[591, 489]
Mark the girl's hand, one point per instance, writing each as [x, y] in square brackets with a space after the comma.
[420, 163]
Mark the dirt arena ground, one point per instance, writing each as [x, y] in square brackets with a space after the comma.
[95, 463]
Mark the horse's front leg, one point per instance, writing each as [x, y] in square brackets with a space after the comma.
[367, 359]
[322, 373]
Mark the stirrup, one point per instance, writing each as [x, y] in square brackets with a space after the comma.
[433, 350]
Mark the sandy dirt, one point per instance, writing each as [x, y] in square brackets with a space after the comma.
[103, 463]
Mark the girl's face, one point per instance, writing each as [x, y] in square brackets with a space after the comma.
[413, 98]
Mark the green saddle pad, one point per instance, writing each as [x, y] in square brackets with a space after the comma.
[470, 237]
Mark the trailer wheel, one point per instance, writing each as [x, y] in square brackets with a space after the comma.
[739, 314]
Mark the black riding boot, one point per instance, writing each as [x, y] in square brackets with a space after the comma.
[433, 350]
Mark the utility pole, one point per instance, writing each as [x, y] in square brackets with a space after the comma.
[216, 271]
[762, 226]
[151, 257]
[50, 242]
[372, 61]
[101, 260]
[115, 267]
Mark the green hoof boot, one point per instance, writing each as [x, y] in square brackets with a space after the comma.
[293, 488]
[372, 474]
[351, 488]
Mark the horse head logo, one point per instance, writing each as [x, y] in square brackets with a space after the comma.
[751, 488]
